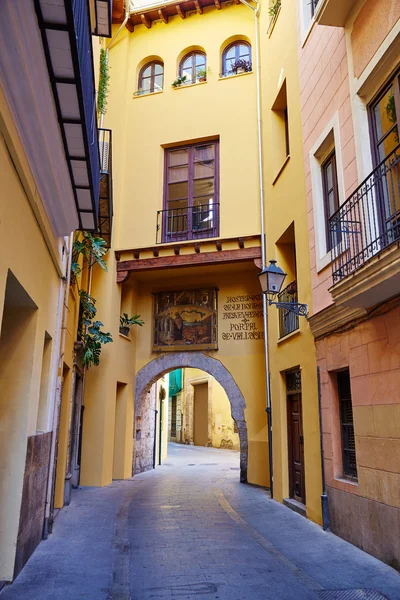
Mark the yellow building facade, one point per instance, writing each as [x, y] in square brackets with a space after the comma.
[161, 259]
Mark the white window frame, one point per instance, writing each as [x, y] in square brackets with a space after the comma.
[328, 140]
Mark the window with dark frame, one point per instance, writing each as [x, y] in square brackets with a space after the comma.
[192, 65]
[384, 118]
[347, 425]
[287, 145]
[239, 50]
[331, 197]
[173, 416]
[151, 78]
[191, 203]
[313, 4]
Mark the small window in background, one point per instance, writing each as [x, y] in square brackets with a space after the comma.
[280, 129]
[385, 114]
[193, 67]
[236, 58]
[151, 78]
[331, 197]
[347, 425]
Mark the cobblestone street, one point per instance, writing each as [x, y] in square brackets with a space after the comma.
[190, 530]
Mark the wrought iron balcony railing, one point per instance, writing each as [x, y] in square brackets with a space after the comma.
[369, 221]
[106, 187]
[188, 223]
[288, 320]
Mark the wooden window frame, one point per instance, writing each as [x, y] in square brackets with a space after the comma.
[235, 45]
[375, 141]
[193, 55]
[151, 64]
[330, 159]
[215, 233]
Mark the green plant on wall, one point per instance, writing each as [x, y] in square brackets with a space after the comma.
[91, 249]
[104, 79]
[274, 8]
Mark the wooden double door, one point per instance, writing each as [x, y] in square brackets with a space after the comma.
[297, 489]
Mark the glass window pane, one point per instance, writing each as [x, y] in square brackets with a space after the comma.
[230, 54]
[204, 169]
[147, 72]
[388, 144]
[178, 157]
[189, 75]
[178, 174]
[158, 82]
[244, 51]
[331, 203]
[146, 84]
[203, 187]
[385, 113]
[158, 69]
[329, 175]
[178, 190]
[204, 153]
[187, 63]
[200, 60]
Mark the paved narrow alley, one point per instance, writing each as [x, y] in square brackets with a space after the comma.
[190, 530]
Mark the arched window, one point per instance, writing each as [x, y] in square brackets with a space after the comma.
[236, 58]
[151, 78]
[193, 66]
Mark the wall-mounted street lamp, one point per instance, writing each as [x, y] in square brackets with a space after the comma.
[271, 281]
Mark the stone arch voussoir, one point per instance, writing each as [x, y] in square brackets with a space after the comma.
[151, 372]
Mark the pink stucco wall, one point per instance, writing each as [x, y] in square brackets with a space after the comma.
[324, 87]
[372, 25]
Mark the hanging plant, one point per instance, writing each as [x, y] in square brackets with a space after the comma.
[104, 79]
[91, 249]
[274, 8]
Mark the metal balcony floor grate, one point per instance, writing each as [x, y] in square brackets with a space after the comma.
[351, 595]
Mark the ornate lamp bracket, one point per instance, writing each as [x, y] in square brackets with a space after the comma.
[298, 309]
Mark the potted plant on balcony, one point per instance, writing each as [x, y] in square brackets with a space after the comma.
[125, 323]
[181, 79]
[201, 75]
[241, 66]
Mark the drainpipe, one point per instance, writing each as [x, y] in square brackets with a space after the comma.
[112, 41]
[51, 481]
[324, 495]
[256, 11]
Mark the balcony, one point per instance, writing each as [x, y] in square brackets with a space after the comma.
[365, 239]
[332, 12]
[106, 187]
[67, 42]
[288, 321]
[187, 223]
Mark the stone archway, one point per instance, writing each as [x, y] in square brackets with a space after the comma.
[151, 372]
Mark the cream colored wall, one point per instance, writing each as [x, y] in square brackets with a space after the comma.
[143, 125]
[286, 205]
[221, 425]
[23, 251]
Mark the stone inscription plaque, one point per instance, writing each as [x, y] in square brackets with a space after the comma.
[242, 318]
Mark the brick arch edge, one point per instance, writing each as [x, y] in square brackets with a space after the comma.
[155, 369]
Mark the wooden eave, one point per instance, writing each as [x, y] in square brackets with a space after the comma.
[243, 253]
[163, 12]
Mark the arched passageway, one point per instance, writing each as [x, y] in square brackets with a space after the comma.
[155, 369]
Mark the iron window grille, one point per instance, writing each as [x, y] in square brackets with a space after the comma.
[347, 425]
[288, 320]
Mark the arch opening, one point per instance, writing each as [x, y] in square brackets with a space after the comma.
[143, 453]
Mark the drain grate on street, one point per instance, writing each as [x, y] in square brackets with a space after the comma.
[351, 595]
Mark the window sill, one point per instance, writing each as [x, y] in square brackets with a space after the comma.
[308, 32]
[348, 480]
[223, 77]
[125, 337]
[273, 22]
[288, 336]
[281, 170]
[136, 95]
[188, 85]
